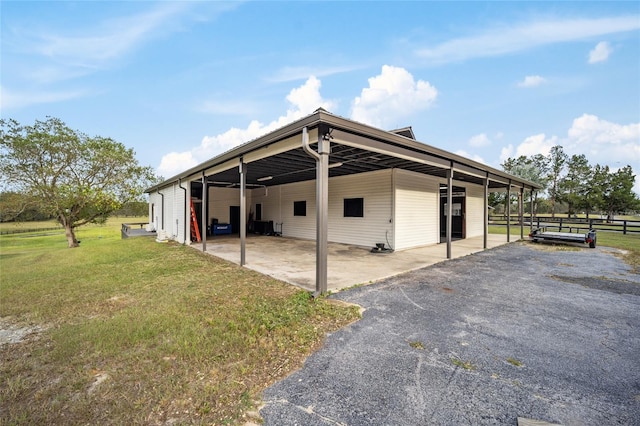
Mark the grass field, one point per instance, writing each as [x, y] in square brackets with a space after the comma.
[135, 332]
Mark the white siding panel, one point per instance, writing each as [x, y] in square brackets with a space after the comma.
[297, 226]
[376, 225]
[270, 200]
[219, 201]
[474, 210]
[417, 209]
[179, 220]
[155, 207]
[168, 224]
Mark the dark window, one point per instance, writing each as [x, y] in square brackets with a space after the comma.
[299, 208]
[354, 207]
[258, 211]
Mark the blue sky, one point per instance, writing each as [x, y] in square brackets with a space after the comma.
[181, 82]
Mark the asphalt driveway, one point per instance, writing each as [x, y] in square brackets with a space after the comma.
[517, 331]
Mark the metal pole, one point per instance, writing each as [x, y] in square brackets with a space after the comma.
[322, 203]
[486, 211]
[531, 212]
[322, 212]
[521, 209]
[203, 227]
[449, 209]
[243, 211]
[508, 207]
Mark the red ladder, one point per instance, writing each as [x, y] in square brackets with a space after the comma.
[195, 230]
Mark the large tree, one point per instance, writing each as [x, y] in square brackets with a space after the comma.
[575, 184]
[77, 178]
[557, 161]
[534, 169]
[617, 195]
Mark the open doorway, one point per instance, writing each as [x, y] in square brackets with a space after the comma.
[458, 224]
[234, 219]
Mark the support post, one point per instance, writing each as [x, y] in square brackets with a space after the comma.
[322, 214]
[521, 210]
[449, 209]
[243, 211]
[531, 212]
[507, 202]
[203, 227]
[322, 203]
[486, 212]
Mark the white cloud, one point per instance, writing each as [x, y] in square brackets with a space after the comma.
[74, 51]
[604, 142]
[532, 81]
[600, 53]
[16, 100]
[505, 153]
[303, 101]
[479, 141]
[473, 157]
[532, 145]
[176, 162]
[503, 40]
[392, 96]
[299, 73]
[105, 40]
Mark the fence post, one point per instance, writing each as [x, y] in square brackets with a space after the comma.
[590, 224]
[624, 227]
[560, 227]
[538, 222]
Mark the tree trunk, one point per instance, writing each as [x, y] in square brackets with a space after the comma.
[71, 236]
[68, 231]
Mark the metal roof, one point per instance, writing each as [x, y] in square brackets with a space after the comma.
[355, 148]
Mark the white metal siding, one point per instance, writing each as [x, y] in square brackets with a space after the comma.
[180, 215]
[474, 210]
[298, 226]
[155, 212]
[219, 200]
[417, 208]
[376, 225]
[270, 200]
[169, 210]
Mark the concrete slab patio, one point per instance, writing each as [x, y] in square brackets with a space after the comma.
[293, 260]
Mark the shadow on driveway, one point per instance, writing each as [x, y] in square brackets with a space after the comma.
[517, 331]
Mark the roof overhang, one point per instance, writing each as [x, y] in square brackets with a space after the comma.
[278, 157]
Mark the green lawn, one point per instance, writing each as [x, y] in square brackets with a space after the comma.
[133, 331]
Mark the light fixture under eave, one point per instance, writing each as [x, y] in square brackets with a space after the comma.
[331, 166]
[262, 179]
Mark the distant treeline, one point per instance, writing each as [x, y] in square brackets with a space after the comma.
[570, 184]
[16, 207]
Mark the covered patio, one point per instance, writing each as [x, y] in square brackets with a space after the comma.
[294, 260]
[386, 186]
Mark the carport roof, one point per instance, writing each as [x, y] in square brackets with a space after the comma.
[355, 148]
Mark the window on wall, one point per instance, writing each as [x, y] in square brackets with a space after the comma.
[299, 208]
[354, 207]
